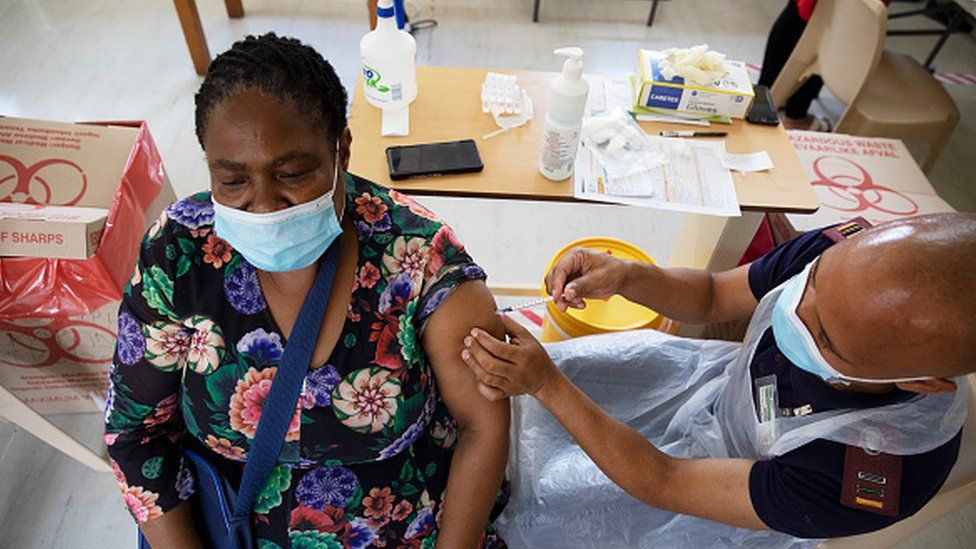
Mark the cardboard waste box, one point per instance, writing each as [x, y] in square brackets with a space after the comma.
[871, 177]
[58, 315]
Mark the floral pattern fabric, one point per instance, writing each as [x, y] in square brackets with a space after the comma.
[367, 454]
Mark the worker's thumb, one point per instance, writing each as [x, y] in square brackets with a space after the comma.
[514, 329]
[578, 289]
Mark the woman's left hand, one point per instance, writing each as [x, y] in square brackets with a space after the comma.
[520, 366]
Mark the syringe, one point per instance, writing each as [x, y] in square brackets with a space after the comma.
[526, 305]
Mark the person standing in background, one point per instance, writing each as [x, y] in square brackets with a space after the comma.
[783, 37]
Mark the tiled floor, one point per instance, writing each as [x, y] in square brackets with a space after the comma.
[125, 59]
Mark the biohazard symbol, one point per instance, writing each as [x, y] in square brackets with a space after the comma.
[850, 188]
[35, 343]
[52, 182]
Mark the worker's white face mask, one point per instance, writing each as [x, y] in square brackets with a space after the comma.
[797, 343]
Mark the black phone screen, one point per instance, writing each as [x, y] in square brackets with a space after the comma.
[762, 110]
[433, 159]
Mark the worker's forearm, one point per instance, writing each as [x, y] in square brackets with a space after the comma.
[620, 452]
[173, 529]
[477, 469]
[681, 294]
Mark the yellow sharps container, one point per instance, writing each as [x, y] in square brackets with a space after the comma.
[600, 316]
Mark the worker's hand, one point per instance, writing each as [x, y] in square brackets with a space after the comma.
[585, 273]
[518, 367]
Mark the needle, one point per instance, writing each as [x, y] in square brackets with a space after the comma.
[526, 305]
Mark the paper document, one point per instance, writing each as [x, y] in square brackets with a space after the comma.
[395, 122]
[749, 162]
[694, 179]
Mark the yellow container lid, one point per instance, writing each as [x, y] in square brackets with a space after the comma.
[602, 316]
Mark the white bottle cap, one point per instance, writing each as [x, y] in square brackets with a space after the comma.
[568, 90]
[385, 9]
[573, 67]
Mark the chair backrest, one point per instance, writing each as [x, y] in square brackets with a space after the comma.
[964, 472]
[842, 43]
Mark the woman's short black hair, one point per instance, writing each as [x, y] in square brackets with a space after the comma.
[280, 66]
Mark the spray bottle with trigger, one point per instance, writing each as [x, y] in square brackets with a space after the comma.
[389, 56]
[567, 101]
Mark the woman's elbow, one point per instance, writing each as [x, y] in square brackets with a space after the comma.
[490, 426]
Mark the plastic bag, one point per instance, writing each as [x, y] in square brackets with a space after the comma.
[39, 287]
[620, 144]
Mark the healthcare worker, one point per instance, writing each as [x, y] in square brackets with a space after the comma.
[840, 413]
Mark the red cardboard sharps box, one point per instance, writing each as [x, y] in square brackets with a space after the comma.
[68, 232]
[58, 315]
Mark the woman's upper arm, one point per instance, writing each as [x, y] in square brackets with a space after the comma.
[468, 306]
[143, 424]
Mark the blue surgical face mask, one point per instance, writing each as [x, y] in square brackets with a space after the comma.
[796, 342]
[285, 240]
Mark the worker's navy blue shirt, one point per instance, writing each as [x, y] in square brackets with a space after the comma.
[800, 492]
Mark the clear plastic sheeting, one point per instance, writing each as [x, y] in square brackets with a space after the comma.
[647, 380]
[692, 399]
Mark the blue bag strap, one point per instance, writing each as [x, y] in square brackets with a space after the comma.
[279, 407]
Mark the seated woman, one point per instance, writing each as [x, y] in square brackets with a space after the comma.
[391, 444]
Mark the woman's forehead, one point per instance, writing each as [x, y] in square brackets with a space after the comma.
[252, 115]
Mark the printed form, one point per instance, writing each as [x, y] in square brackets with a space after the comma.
[691, 177]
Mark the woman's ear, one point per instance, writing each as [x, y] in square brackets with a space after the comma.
[937, 385]
[345, 150]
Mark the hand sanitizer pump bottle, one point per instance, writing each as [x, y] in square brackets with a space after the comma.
[389, 61]
[567, 101]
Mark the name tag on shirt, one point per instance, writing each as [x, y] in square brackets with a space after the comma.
[767, 398]
[871, 483]
[767, 404]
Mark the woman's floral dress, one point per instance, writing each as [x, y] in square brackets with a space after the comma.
[366, 458]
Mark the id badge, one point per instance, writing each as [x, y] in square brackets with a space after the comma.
[767, 408]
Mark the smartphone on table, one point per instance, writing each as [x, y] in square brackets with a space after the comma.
[432, 159]
[762, 110]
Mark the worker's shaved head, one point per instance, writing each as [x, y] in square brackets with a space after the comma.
[899, 300]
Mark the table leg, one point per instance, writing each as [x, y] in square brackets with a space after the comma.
[650, 18]
[34, 423]
[954, 17]
[714, 243]
[951, 28]
[535, 11]
[235, 8]
[193, 33]
[371, 7]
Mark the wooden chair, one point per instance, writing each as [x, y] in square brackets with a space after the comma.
[887, 94]
[196, 40]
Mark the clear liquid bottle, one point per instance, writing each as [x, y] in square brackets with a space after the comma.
[389, 61]
[567, 101]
